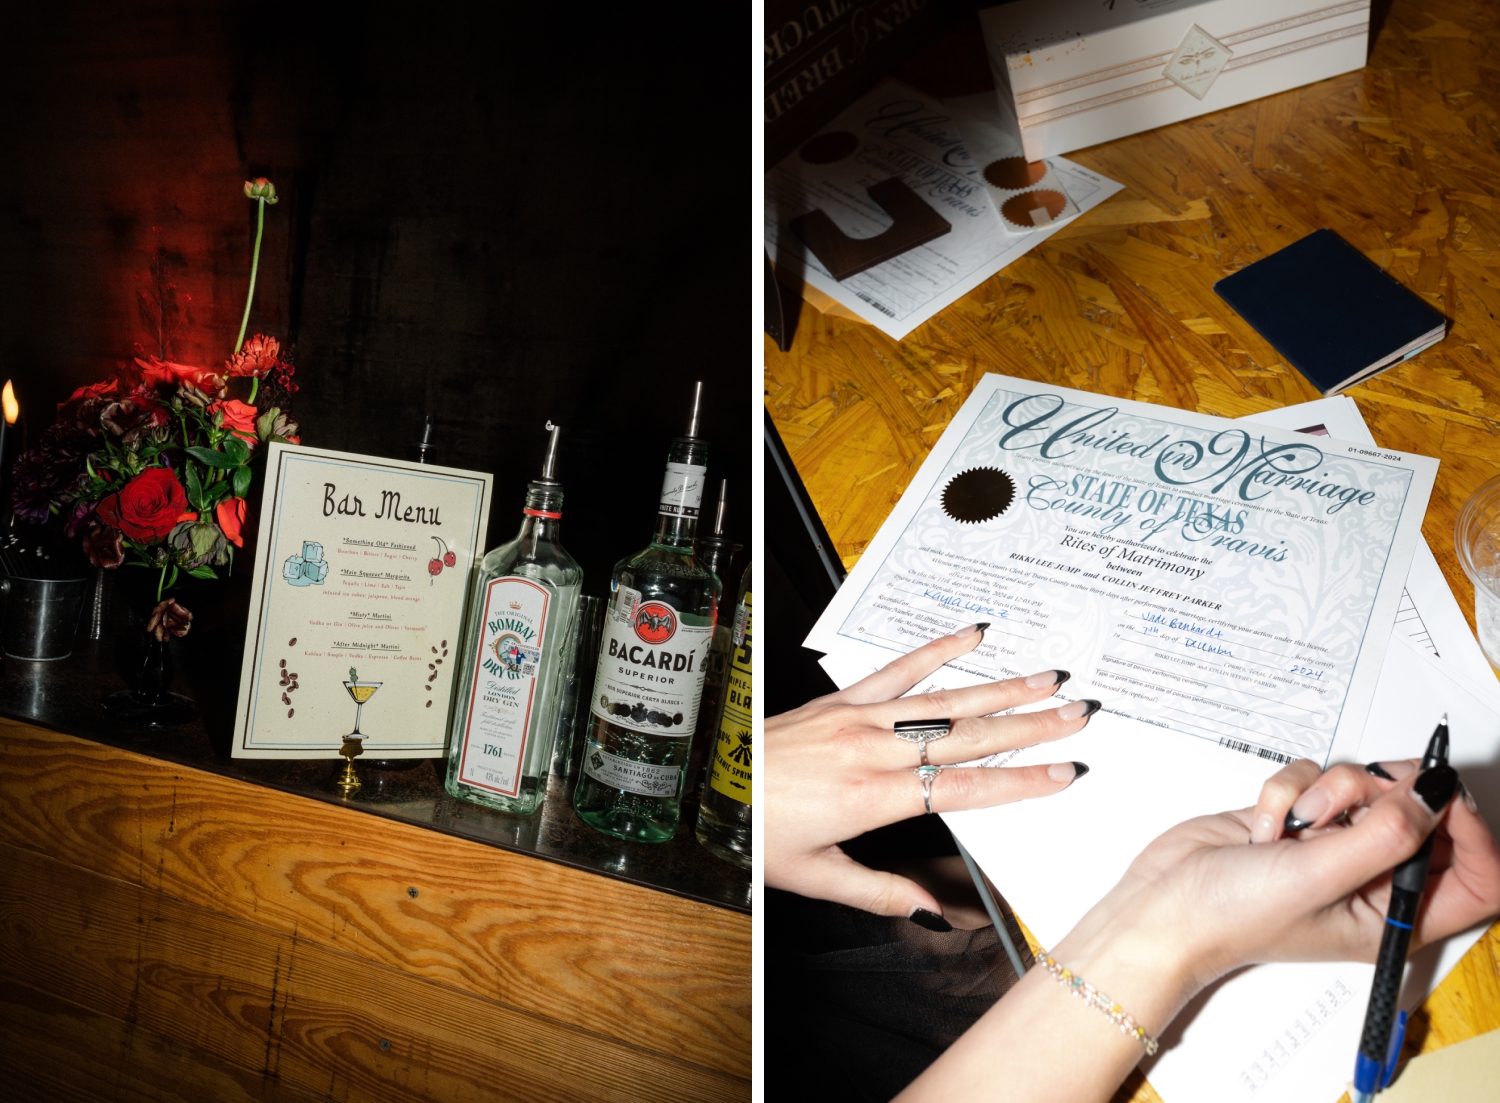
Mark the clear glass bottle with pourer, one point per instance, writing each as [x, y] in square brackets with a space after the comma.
[716, 552]
[522, 598]
[657, 632]
[724, 815]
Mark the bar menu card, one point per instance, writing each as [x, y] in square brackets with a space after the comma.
[357, 604]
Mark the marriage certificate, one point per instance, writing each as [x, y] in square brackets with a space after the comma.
[1232, 583]
[358, 600]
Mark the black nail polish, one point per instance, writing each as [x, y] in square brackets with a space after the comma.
[924, 918]
[1094, 706]
[1292, 823]
[981, 626]
[1378, 770]
[1435, 787]
[1062, 676]
[1079, 769]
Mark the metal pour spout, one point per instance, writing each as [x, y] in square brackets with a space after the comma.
[723, 507]
[549, 464]
[692, 429]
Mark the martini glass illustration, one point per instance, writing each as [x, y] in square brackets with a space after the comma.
[361, 692]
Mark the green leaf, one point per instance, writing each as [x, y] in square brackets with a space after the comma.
[195, 488]
[241, 481]
[202, 572]
[236, 449]
[171, 580]
[266, 422]
[212, 458]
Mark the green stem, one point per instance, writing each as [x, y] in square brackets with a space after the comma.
[260, 223]
[159, 583]
[254, 388]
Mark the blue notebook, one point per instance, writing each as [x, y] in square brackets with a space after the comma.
[1336, 317]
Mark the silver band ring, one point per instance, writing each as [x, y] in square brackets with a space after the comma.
[923, 732]
[927, 774]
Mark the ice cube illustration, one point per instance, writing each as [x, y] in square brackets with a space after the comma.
[312, 552]
[314, 571]
[291, 570]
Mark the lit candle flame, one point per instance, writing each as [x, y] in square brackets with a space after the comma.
[8, 400]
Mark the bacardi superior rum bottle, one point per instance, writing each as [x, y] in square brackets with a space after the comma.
[509, 678]
[657, 632]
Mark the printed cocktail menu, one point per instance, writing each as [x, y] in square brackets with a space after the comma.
[358, 601]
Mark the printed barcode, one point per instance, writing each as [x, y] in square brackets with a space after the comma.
[1251, 748]
[887, 311]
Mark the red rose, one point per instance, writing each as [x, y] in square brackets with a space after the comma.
[161, 373]
[239, 419]
[93, 390]
[147, 507]
[230, 514]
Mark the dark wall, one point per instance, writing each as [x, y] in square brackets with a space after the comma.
[494, 213]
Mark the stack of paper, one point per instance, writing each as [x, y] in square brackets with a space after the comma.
[1229, 591]
[896, 132]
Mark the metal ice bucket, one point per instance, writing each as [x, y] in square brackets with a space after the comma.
[41, 617]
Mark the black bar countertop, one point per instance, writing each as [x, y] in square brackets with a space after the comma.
[64, 696]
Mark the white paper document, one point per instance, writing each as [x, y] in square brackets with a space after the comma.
[1232, 584]
[1283, 1032]
[896, 131]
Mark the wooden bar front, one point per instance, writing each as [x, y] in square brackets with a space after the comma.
[173, 934]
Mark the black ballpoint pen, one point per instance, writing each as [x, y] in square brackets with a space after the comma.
[1378, 1048]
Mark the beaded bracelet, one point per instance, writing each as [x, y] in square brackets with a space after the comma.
[1095, 998]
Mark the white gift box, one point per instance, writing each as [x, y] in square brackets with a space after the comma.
[1080, 72]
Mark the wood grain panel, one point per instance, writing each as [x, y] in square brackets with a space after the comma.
[643, 967]
[60, 1052]
[1401, 158]
[318, 1020]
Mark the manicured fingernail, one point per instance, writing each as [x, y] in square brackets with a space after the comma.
[1468, 798]
[1310, 805]
[1066, 771]
[1263, 830]
[924, 918]
[1435, 788]
[969, 631]
[1399, 770]
[1077, 710]
[1044, 678]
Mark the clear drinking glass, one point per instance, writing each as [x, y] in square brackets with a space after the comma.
[1476, 537]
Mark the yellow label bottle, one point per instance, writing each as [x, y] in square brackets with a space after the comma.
[724, 818]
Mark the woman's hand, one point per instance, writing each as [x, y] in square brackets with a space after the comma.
[1205, 898]
[1320, 896]
[834, 769]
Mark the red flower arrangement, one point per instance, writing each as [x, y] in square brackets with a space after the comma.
[152, 468]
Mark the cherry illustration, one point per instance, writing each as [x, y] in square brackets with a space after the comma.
[445, 557]
[450, 559]
[434, 567]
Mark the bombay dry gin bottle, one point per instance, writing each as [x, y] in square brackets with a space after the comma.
[657, 632]
[521, 600]
[724, 816]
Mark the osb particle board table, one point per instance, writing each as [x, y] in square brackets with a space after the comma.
[1402, 159]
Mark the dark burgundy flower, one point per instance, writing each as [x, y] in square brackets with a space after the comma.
[169, 619]
[80, 518]
[105, 547]
[45, 479]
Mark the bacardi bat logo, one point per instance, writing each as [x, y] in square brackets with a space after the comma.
[655, 623]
